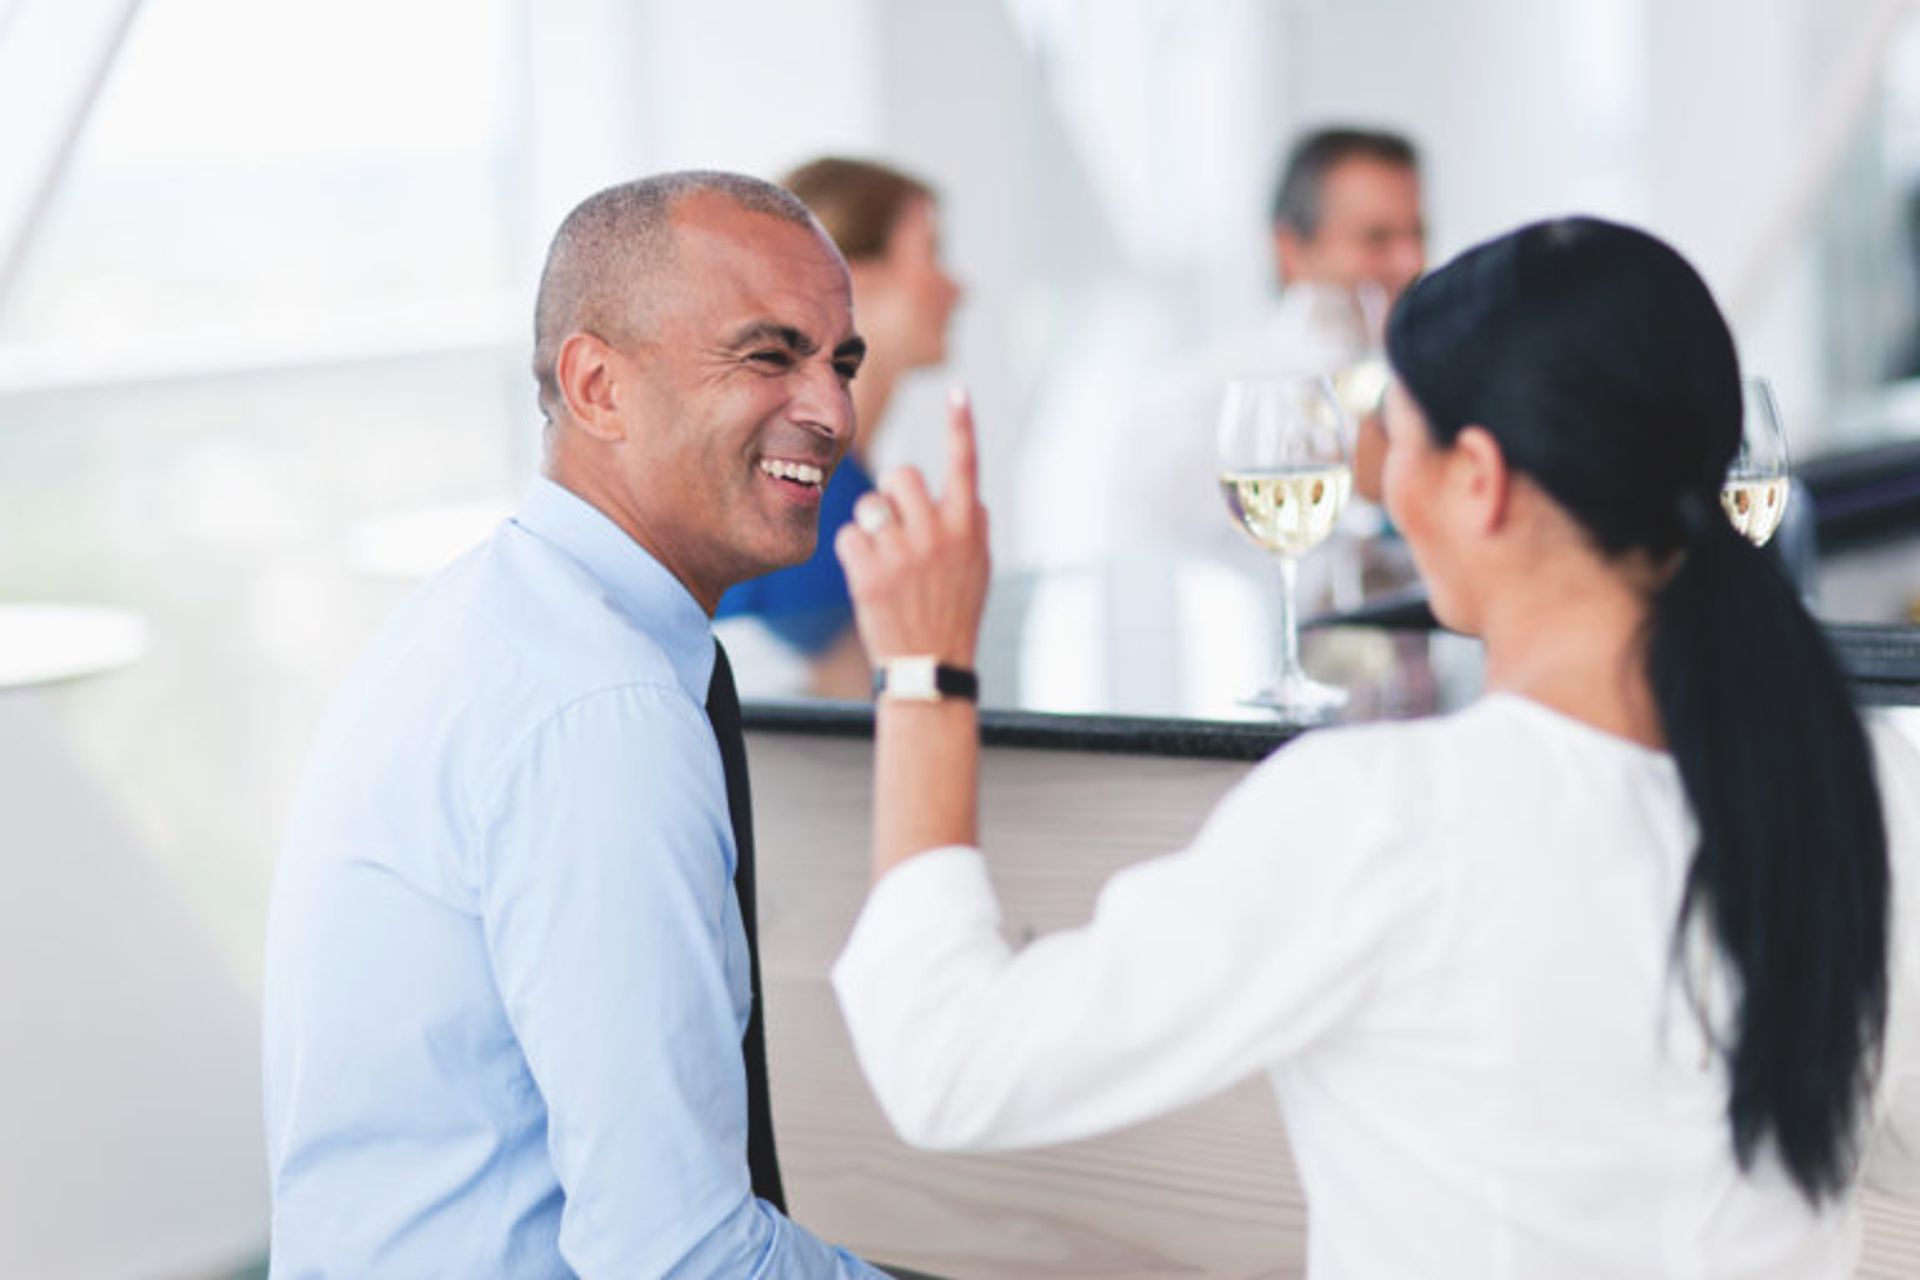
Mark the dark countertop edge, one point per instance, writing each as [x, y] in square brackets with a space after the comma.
[1882, 662]
[1121, 735]
[1874, 654]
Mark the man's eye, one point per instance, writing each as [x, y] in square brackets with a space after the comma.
[846, 369]
[772, 359]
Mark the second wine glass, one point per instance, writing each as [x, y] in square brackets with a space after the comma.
[1285, 473]
[1754, 494]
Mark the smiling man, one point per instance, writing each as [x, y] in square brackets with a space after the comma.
[512, 1014]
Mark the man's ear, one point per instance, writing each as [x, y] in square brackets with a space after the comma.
[1478, 475]
[588, 371]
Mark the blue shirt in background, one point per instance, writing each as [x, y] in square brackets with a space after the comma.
[808, 605]
[506, 975]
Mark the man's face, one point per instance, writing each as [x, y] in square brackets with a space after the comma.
[739, 407]
[1370, 229]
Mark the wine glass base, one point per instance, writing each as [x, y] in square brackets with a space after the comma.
[1299, 699]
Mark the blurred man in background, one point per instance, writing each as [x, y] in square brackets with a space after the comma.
[1347, 221]
[1347, 211]
[1347, 237]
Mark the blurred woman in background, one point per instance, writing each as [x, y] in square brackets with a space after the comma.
[1612, 974]
[887, 227]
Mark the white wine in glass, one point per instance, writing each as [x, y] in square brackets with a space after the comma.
[1285, 474]
[1290, 511]
[1754, 494]
[1756, 506]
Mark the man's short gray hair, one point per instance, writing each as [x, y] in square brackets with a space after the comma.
[609, 247]
[1296, 198]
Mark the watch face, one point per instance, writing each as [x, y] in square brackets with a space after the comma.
[912, 678]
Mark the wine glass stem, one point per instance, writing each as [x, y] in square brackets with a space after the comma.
[1289, 668]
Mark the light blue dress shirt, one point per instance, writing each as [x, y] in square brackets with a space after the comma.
[506, 973]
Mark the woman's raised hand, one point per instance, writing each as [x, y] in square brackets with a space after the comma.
[917, 566]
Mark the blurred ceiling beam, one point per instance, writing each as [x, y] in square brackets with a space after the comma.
[459, 328]
[54, 56]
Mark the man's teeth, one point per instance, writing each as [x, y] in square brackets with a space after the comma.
[801, 471]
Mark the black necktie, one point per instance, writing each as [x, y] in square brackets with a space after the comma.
[723, 709]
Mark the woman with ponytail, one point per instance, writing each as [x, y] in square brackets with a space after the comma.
[1613, 974]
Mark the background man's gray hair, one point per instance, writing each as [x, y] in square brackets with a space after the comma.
[606, 249]
[1297, 196]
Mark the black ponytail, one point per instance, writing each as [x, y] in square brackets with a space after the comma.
[1791, 869]
[1596, 357]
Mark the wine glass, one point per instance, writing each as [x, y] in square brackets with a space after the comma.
[1285, 474]
[1361, 381]
[1343, 328]
[1754, 494]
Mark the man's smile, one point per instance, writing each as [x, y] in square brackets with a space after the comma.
[801, 473]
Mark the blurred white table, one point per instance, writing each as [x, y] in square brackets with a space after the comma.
[49, 643]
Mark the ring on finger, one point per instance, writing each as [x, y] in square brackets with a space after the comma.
[873, 512]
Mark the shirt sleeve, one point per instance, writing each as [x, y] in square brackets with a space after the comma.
[1893, 1152]
[1196, 970]
[615, 939]
[1893, 1155]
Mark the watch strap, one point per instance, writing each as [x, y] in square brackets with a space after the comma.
[922, 678]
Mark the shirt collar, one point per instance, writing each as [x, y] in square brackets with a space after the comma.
[636, 583]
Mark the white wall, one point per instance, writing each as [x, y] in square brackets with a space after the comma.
[1519, 107]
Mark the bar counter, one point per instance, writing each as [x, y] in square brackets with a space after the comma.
[1076, 784]
[1882, 662]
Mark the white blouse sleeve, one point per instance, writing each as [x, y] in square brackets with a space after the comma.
[1196, 970]
[1893, 1154]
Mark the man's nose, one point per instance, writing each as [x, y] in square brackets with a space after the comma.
[824, 403]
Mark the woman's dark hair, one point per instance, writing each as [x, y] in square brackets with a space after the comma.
[1595, 356]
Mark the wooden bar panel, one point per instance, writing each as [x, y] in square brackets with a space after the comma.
[1209, 1191]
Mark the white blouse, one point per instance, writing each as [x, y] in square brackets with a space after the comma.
[1448, 943]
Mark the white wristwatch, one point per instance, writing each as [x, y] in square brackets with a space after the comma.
[924, 678]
